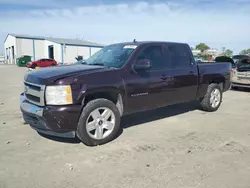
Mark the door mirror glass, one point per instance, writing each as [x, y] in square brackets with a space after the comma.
[142, 64]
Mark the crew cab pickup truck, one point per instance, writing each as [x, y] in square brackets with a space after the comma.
[88, 100]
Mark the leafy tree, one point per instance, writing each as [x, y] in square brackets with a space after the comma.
[206, 57]
[245, 52]
[202, 47]
[228, 53]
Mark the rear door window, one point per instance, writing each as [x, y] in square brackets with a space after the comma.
[179, 55]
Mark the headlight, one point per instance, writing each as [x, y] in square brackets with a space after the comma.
[58, 95]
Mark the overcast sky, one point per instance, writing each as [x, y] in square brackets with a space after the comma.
[216, 22]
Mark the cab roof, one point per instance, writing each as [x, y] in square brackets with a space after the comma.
[149, 42]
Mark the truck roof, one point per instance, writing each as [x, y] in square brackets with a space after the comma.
[149, 42]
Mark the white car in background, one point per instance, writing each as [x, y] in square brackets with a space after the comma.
[241, 74]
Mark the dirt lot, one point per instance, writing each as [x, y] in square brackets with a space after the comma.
[174, 147]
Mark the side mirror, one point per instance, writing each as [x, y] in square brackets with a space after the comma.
[142, 64]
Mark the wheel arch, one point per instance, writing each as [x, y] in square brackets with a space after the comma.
[219, 81]
[111, 94]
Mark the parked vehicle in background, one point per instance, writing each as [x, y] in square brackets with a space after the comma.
[241, 74]
[88, 100]
[237, 58]
[42, 63]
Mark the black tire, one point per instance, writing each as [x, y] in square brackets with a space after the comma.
[205, 101]
[33, 66]
[81, 131]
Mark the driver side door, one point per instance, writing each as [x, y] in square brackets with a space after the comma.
[146, 87]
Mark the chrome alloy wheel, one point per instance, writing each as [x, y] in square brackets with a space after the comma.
[215, 98]
[100, 123]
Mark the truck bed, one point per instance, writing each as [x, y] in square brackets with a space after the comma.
[215, 71]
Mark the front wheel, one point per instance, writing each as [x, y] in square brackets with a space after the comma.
[213, 98]
[99, 122]
[33, 66]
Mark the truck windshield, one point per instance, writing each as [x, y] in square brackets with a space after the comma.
[112, 56]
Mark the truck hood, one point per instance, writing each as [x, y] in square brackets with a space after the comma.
[47, 76]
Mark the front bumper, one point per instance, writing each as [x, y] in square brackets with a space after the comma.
[60, 121]
[240, 85]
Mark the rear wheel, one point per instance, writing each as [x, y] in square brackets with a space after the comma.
[213, 98]
[99, 122]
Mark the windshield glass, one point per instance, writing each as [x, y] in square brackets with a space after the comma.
[244, 64]
[114, 55]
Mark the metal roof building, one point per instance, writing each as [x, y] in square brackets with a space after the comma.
[60, 49]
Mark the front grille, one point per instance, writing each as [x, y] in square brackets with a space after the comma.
[34, 87]
[32, 98]
[34, 93]
[243, 75]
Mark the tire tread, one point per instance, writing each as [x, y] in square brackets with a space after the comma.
[205, 102]
[81, 128]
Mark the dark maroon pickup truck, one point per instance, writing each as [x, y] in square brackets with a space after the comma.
[87, 100]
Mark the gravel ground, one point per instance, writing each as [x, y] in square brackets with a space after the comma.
[176, 147]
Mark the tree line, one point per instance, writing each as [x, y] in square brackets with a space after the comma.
[225, 52]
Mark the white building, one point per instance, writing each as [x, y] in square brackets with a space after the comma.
[59, 49]
[1, 59]
[212, 51]
[196, 52]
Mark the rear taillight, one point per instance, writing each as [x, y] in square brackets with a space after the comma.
[232, 70]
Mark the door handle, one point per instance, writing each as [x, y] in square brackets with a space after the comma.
[163, 77]
[166, 77]
[191, 72]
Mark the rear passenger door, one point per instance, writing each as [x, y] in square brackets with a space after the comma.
[183, 71]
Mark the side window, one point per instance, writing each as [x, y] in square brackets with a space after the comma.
[154, 54]
[179, 55]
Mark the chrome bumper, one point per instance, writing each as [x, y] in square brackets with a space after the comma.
[240, 85]
[33, 115]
